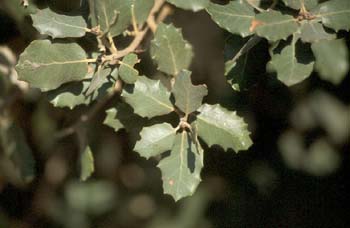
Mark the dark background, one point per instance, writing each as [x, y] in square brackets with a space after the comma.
[260, 187]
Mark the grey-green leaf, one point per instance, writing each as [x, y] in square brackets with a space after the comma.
[127, 72]
[297, 4]
[335, 14]
[313, 31]
[142, 9]
[273, 25]
[57, 25]
[74, 94]
[148, 97]
[112, 121]
[15, 147]
[332, 59]
[171, 52]
[217, 125]
[98, 79]
[188, 98]
[194, 5]
[289, 70]
[87, 166]
[47, 65]
[155, 140]
[112, 16]
[181, 169]
[236, 17]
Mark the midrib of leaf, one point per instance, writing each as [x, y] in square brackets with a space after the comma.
[105, 14]
[128, 66]
[278, 23]
[210, 123]
[181, 161]
[60, 63]
[230, 14]
[172, 55]
[68, 25]
[159, 102]
[293, 56]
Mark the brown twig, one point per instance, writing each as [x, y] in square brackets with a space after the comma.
[114, 57]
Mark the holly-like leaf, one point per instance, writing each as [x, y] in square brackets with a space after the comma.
[273, 25]
[171, 52]
[47, 65]
[56, 25]
[181, 169]
[15, 147]
[217, 125]
[332, 59]
[148, 97]
[155, 140]
[335, 14]
[298, 4]
[194, 5]
[127, 72]
[289, 70]
[311, 31]
[236, 17]
[188, 98]
[87, 166]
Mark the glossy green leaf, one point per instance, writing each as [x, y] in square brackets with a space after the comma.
[148, 97]
[289, 69]
[155, 140]
[273, 25]
[171, 52]
[181, 169]
[217, 125]
[87, 164]
[297, 4]
[47, 65]
[194, 5]
[236, 17]
[335, 14]
[332, 59]
[56, 25]
[15, 147]
[127, 72]
[188, 98]
[313, 31]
